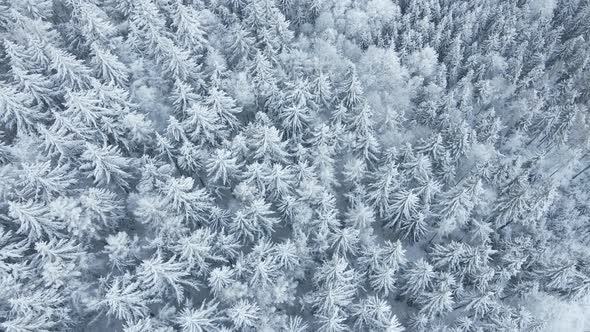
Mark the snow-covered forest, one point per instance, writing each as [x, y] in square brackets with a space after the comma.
[294, 165]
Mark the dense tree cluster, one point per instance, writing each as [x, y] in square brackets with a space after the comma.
[292, 165]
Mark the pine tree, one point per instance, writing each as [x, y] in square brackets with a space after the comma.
[355, 170]
[145, 324]
[279, 181]
[417, 278]
[340, 114]
[383, 280]
[220, 279]
[360, 216]
[362, 121]
[404, 207]
[296, 324]
[267, 144]
[222, 166]
[456, 205]
[322, 89]
[159, 276]
[324, 162]
[202, 126]
[33, 219]
[288, 255]
[434, 147]
[197, 250]
[183, 97]
[295, 119]
[124, 300]
[332, 322]
[482, 304]
[352, 90]
[393, 325]
[58, 250]
[42, 180]
[106, 165]
[256, 175]
[394, 255]
[188, 156]
[17, 110]
[264, 271]
[381, 188]
[512, 204]
[86, 107]
[261, 72]
[345, 241]
[254, 220]
[367, 147]
[451, 255]
[102, 205]
[92, 22]
[107, 67]
[58, 142]
[120, 250]
[21, 58]
[189, 32]
[180, 195]
[40, 88]
[146, 25]
[13, 248]
[240, 43]
[419, 322]
[199, 319]
[177, 63]
[224, 106]
[459, 139]
[138, 129]
[244, 315]
[70, 73]
[29, 322]
[414, 228]
[374, 313]
[481, 231]
[581, 288]
[437, 302]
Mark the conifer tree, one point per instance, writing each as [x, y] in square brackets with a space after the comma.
[405, 204]
[418, 278]
[352, 90]
[38, 87]
[243, 165]
[222, 166]
[181, 195]
[123, 299]
[437, 302]
[33, 219]
[295, 119]
[199, 319]
[224, 106]
[220, 278]
[107, 67]
[70, 72]
[202, 126]
[189, 31]
[183, 97]
[106, 165]
[240, 42]
[17, 110]
[159, 276]
[244, 314]
[41, 180]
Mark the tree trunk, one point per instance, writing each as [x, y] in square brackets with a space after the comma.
[580, 172]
